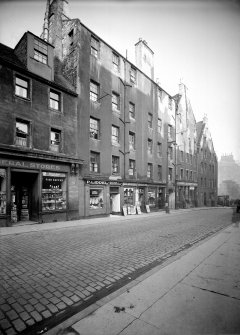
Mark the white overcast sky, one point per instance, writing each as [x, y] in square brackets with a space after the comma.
[197, 41]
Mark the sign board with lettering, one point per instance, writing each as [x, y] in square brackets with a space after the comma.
[147, 209]
[124, 210]
[31, 165]
[139, 210]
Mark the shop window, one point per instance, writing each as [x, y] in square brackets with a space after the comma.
[3, 195]
[94, 47]
[115, 165]
[94, 162]
[159, 126]
[149, 170]
[150, 146]
[115, 135]
[115, 101]
[150, 120]
[133, 75]
[132, 167]
[96, 198]
[55, 140]
[22, 87]
[131, 140]
[94, 91]
[128, 196]
[54, 100]
[40, 51]
[94, 128]
[53, 191]
[151, 197]
[131, 110]
[116, 61]
[22, 133]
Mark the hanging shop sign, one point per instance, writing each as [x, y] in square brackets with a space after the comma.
[29, 165]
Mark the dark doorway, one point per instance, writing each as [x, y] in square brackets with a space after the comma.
[24, 197]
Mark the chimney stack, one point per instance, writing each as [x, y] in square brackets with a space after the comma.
[144, 58]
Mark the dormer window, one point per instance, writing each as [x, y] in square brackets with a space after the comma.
[40, 51]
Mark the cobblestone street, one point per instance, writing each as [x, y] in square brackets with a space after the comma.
[49, 275]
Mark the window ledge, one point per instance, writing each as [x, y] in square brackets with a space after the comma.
[22, 98]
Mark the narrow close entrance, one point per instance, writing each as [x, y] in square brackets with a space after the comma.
[24, 197]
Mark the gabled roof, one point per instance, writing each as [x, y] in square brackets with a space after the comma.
[8, 56]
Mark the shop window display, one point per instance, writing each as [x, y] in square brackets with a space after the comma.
[3, 200]
[152, 197]
[53, 191]
[96, 198]
[128, 196]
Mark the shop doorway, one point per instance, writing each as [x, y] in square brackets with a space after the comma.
[24, 197]
[115, 207]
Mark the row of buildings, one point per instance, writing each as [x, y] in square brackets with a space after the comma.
[84, 132]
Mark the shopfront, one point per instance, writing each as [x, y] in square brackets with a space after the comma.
[144, 194]
[96, 199]
[34, 192]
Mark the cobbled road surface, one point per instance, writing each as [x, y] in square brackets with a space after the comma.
[47, 276]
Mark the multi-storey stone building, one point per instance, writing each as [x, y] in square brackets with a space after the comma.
[97, 126]
[39, 161]
[207, 166]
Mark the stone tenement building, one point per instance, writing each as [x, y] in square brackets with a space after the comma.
[229, 177]
[122, 140]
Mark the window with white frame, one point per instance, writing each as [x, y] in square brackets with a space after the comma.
[169, 103]
[115, 134]
[55, 141]
[133, 75]
[115, 101]
[181, 155]
[94, 161]
[40, 51]
[181, 174]
[132, 167]
[170, 132]
[116, 62]
[22, 137]
[131, 140]
[94, 91]
[115, 165]
[54, 100]
[191, 175]
[159, 149]
[94, 128]
[149, 170]
[150, 120]
[170, 152]
[94, 46]
[187, 174]
[160, 172]
[22, 87]
[150, 146]
[131, 110]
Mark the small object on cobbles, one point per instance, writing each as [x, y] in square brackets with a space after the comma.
[119, 309]
[131, 306]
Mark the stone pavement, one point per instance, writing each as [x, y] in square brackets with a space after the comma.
[197, 293]
[51, 271]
